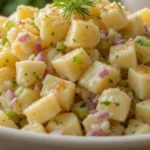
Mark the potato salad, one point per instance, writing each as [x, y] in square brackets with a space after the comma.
[79, 68]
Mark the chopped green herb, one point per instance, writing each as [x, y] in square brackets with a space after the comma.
[74, 40]
[25, 74]
[19, 91]
[110, 81]
[4, 120]
[133, 132]
[77, 59]
[143, 41]
[51, 44]
[10, 24]
[105, 103]
[53, 33]
[74, 6]
[117, 56]
[123, 83]
[117, 104]
[4, 41]
[7, 60]
[87, 26]
[61, 46]
[133, 92]
[33, 24]
[14, 82]
[37, 78]
[83, 105]
[34, 73]
[58, 122]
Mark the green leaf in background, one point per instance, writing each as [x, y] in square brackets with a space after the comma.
[7, 7]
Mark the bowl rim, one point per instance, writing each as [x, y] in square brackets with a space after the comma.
[54, 139]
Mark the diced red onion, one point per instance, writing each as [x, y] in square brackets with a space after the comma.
[38, 45]
[146, 27]
[13, 101]
[94, 133]
[103, 73]
[105, 126]
[94, 97]
[48, 71]
[9, 94]
[104, 32]
[102, 115]
[36, 87]
[24, 37]
[57, 132]
[118, 41]
[90, 106]
[95, 127]
[40, 57]
[147, 32]
[93, 111]
[65, 78]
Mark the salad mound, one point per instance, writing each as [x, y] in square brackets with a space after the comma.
[76, 67]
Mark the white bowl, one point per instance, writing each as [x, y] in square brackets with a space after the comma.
[134, 5]
[11, 139]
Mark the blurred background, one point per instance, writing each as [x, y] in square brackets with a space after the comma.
[9, 6]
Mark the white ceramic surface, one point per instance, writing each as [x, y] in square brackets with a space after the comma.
[11, 139]
[134, 5]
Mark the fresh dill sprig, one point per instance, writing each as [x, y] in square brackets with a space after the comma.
[74, 6]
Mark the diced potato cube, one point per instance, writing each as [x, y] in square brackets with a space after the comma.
[94, 54]
[6, 121]
[23, 26]
[116, 102]
[139, 81]
[64, 90]
[68, 123]
[43, 109]
[24, 12]
[89, 121]
[117, 128]
[7, 79]
[51, 27]
[123, 55]
[7, 73]
[136, 127]
[135, 26]
[7, 59]
[93, 81]
[29, 72]
[26, 97]
[73, 64]
[145, 14]
[22, 50]
[34, 127]
[142, 111]
[143, 51]
[82, 34]
[112, 12]
[3, 30]
[5, 102]
[13, 33]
